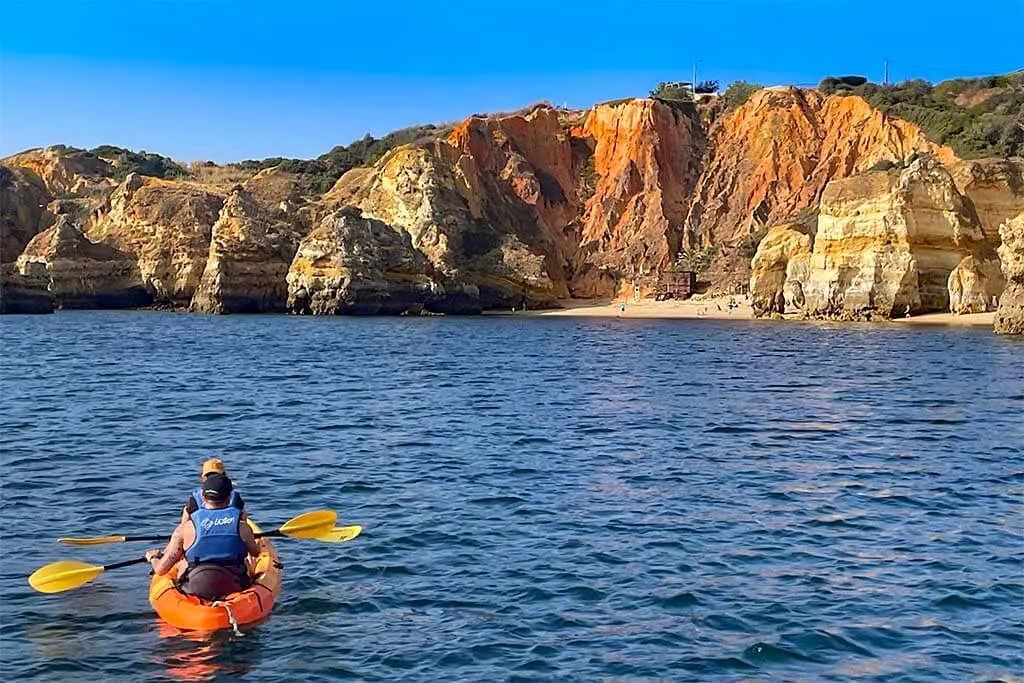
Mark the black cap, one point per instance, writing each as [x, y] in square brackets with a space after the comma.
[217, 486]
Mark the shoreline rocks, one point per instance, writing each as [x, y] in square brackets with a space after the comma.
[81, 274]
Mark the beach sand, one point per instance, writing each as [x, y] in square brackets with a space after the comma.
[716, 309]
[649, 308]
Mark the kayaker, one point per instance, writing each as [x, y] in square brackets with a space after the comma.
[214, 540]
[211, 466]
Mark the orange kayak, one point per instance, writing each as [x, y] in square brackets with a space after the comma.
[189, 613]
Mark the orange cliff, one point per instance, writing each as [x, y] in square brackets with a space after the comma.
[646, 157]
[527, 208]
[772, 157]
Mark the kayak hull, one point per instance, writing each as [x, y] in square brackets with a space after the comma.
[189, 613]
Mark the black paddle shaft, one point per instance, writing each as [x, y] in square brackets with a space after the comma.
[126, 563]
[276, 533]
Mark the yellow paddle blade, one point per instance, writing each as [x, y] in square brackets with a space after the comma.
[61, 576]
[309, 524]
[92, 541]
[340, 534]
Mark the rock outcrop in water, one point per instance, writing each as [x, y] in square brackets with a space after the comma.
[23, 213]
[167, 226]
[1010, 315]
[350, 264]
[81, 274]
[249, 255]
[25, 293]
[419, 192]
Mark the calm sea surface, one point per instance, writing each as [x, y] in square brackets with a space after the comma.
[543, 499]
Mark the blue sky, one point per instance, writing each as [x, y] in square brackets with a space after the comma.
[205, 79]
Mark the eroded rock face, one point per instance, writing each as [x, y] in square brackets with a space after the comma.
[23, 201]
[773, 156]
[82, 274]
[646, 157]
[975, 285]
[25, 293]
[532, 208]
[167, 226]
[1010, 314]
[351, 264]
[779, 269]
[995, 187]
[63, 174]
[455, 222]
[887, 242]
[249, 256]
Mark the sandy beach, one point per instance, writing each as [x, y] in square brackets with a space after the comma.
[717, 308]
[649, 308]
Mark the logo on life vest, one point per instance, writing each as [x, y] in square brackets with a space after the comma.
[208, 523]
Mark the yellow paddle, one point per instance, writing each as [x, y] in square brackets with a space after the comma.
[340, 534]
[67, 574]
[306, 525]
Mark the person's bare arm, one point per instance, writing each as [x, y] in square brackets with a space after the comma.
[249, 538]
[172, 553]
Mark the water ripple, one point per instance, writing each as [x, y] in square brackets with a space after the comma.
[543, 499]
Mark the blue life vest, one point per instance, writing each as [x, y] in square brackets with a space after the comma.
[217, 537]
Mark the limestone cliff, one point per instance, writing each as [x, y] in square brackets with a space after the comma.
[886, 242]
[1010, 315]
[995, 187]
[469, 232]
[82, 274]
[538, 206]
[63, 173]
[544, 204]
[23, 200]
[278, 192]
[167, 226]
[773, 156]
[25, 292]
[779, 270]
[249, 255]
[351, 264]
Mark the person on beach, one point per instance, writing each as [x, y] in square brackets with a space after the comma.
[195, 499]
[214, 540]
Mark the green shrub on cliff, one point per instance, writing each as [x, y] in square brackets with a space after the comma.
[673, 92]
[739, 92]
[121, 161]
[319, 175]
[977, 117]
[143, 163]
[833, 84]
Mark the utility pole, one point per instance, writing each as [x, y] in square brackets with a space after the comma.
[695, 63]
[885, 73]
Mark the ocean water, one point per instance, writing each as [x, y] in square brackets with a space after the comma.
[543, 499]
